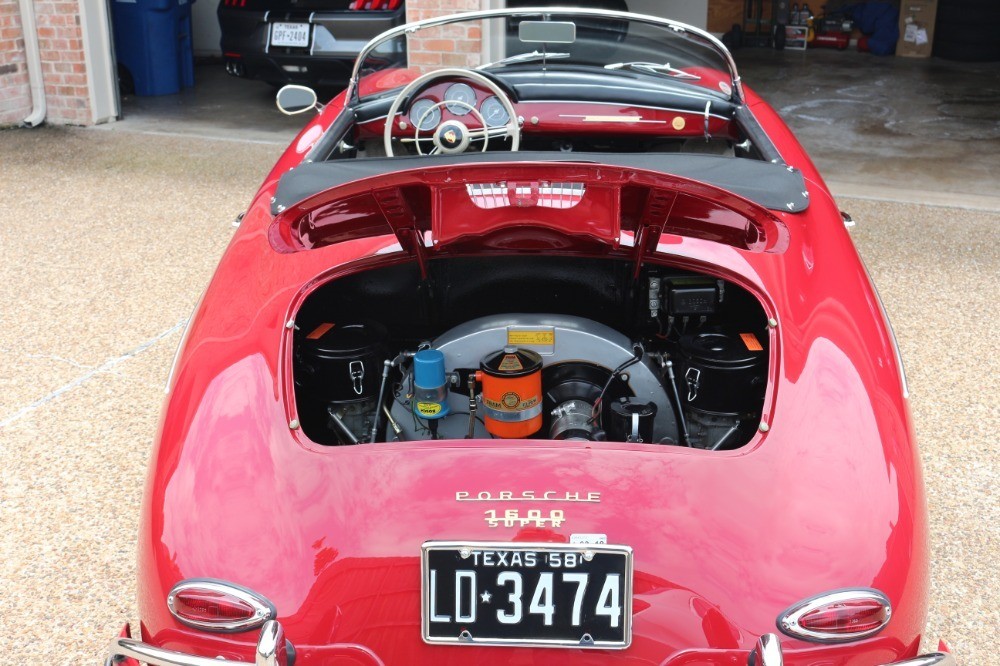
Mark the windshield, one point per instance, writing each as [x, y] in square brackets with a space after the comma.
[522, 39]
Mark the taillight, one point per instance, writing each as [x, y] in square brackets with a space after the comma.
[376, 5]
[218, 606]
[836, 617]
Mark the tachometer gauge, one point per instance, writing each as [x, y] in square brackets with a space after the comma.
[460, 92]
[494, 113]
[424, 115]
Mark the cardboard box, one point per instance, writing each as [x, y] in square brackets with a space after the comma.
[916, 28]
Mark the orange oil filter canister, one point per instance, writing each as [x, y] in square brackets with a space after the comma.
[512, 392]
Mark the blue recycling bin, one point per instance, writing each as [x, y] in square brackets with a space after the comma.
[153, 42]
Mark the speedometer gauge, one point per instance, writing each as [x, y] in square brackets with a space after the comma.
[460, 92]
[494, 113]
[425, 115]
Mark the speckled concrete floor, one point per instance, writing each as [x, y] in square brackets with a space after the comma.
[109, 237]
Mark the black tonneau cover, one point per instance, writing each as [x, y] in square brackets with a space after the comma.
[773, 186]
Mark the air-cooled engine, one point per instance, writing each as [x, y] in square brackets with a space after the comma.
[692, 373]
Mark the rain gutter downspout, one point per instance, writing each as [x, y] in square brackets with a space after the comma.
[31, 53]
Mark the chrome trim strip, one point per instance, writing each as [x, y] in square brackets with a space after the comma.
[312, 33]
[263, 609]
[551, 547]
[673, 93]
[631, 120]
[681, 28]
[903, 382]
[371, 120]
[267, 42]
[930, 659]
[788, 621]
[628, 104]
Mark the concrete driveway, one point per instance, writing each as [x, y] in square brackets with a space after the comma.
[108, 238]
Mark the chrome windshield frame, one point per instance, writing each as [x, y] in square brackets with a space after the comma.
[681, 29]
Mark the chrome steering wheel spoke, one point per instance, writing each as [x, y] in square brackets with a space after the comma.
[487, 133]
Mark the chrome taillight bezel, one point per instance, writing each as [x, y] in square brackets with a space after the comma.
[788, 620]
[264, 610]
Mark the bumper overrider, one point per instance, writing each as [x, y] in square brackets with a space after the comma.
[274, 650]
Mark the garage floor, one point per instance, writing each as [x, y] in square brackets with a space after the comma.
[110, 235]
[900, 129]
[903, 129]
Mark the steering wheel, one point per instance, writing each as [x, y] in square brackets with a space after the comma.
[453, 136]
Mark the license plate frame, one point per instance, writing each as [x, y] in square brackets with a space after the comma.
[455, 633]
[288, 34]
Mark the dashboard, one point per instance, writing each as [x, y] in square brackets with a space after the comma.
[465, 101]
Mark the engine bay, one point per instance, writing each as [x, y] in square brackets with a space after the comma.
[548, 348]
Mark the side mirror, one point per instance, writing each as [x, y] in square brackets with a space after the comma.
[293, 99]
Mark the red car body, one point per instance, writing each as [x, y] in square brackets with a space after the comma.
[826, 495]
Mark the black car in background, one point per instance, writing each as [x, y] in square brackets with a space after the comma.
[315, 42]
[312, 42]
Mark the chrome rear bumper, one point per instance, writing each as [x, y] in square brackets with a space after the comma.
[272, 650]
[768, 653]
[930, 659]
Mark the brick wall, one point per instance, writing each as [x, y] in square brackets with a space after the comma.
[447, 46]
[15, 96]
[60, 44]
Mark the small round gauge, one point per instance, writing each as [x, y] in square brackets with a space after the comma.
[425, 115]
[460, 92]
[494, 113]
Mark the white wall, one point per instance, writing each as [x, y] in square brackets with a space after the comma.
[102, 79]
[693, 12]
[205, 26]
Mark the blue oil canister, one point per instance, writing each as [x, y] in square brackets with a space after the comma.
[430, 399]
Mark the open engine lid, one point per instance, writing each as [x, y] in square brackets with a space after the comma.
[526, 207]
[773, 186]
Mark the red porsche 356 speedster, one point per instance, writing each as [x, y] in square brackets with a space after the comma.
[544, 342]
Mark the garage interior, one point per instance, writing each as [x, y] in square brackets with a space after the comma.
[126, 220]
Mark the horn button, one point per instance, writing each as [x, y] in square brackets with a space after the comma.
[451, 137]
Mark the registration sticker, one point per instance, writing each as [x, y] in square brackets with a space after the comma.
[588, 538]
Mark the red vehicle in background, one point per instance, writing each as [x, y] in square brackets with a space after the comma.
[550, 345]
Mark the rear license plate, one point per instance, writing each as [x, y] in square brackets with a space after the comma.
[527, 594]
[290, 34]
